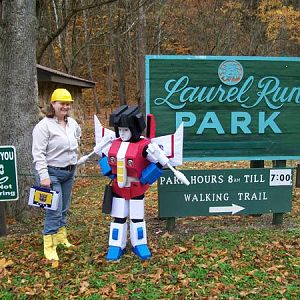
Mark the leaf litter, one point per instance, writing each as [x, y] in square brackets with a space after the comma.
[239, 257]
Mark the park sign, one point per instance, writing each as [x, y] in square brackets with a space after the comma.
[8, 174]
[226, 192]
[233, 108]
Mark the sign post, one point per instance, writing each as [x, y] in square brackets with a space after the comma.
[227, 192]
[8, 181]
[2, 219]
[278, 217]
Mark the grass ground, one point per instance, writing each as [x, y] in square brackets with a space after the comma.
[204, 258]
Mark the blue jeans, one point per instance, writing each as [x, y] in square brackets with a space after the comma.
[62, 182]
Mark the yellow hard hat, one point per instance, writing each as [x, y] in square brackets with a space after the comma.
[61, 95]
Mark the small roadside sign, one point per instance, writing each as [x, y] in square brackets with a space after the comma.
[224, 192]
[8, 174]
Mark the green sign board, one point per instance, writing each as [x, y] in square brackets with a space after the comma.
[233, 108]
[8, 174]
[229, 191]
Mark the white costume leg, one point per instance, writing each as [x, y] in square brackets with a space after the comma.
[118, 235]
[136, 209]
[138, 233]
[118, 231]
[120, 208]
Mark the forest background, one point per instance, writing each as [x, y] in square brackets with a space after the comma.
[106, 41]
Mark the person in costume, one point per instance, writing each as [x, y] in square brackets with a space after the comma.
[133, 163]
[54, 150]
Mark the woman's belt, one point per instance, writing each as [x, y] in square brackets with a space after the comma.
[67, 168]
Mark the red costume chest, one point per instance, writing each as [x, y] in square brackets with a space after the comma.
[135, 164]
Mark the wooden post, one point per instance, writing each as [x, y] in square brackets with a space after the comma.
[257, 164]
[278, 217]
[2, 219]
[170, 224]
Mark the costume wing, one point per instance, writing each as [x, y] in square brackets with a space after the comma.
[172, 145]
[102, 135]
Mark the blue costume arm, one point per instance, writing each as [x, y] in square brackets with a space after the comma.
[105, 167]
[151, 174]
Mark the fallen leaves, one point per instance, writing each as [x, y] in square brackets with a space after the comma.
[179, 249]
[83, 286]
[156, 277]
[4, 263]
[55, 264]
[200, 260]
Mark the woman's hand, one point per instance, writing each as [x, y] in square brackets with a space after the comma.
[46, 182]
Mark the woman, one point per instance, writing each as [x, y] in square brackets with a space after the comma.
[54, 151]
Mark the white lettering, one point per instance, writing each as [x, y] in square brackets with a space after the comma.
[6, 155]
[254, 178]
[258, 196]
[207, 197]
[208, 179]
[5, 193]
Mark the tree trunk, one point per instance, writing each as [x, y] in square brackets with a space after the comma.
[141, 51]
[159, 27]
[110, 54]
[18, 89]
[89, 61]
[119, 70]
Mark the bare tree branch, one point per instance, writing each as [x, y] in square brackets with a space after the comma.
[75, 10]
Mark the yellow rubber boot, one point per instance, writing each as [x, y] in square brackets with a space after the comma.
[50, 247]
[61, 237]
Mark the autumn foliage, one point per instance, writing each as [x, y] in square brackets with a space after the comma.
[106, 41]
[240, 257]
